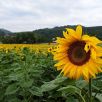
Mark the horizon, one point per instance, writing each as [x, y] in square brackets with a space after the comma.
[45, 28]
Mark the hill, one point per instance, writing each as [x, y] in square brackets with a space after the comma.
[47, 35]
[4, 32]
[57, 31]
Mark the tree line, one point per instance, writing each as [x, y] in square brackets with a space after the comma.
[46, 35]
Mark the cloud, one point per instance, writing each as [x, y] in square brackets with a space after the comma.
[26, 15]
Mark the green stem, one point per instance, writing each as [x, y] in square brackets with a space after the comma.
[90, 90]
[82, 98]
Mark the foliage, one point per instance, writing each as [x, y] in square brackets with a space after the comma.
[30, 77]
[22, 76]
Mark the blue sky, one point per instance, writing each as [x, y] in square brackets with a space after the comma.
[28, 15]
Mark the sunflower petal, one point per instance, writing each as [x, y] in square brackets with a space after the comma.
[79, 31]
[65, 34]
[85, 38]
[62, 62]
[72, 34]
[93, 53]
[99, 51]
[60, 56]
[85, 73]
[96, 40]
[78, 73]
[67, 70]
[92, 39]
[62, 41]
[99, 60]
[87, 47]
[72, 73]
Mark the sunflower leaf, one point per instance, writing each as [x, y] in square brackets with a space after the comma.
[71, 99]
[69, 89]
[36, 91]
[11, 89]
[47, 86]
[81, 83]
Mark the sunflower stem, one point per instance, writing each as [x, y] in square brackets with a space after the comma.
[90, 90]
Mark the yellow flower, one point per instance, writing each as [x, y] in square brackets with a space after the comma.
[49, 49]
[78, 55]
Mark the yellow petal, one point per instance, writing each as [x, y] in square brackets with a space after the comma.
[67, 70]
[92, 69]
[72, 73]
[79, 31]
[78, 73]
[62, 62]
[85, 73]
[60, 56]
[72, 34]
[85, 38]
[65, 34]
[61, 48]
[99, 69]
[92, 66]
[92, 39]
[96, 40]
[59, 67]
[93, 53]
[99, 61]
[87, 47]
[65, 67]
[62, 41]
[99, 51]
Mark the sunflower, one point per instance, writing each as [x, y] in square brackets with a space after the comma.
[49, 49]
[78, 54]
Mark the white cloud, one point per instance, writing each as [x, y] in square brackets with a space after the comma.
[24, 15]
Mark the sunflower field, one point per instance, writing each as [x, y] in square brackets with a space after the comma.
[28, 73]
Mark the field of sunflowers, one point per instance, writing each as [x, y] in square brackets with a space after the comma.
[27, 74]
[52, 72]
[33, 47]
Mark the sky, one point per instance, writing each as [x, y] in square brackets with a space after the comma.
[28, 15]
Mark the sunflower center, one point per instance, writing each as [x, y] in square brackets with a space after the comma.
[76, 53]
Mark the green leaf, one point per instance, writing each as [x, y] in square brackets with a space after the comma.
[36, 91]
[98, 97]
[69, 89]
[27, 83]
[81, 83]
[11, 89]
[48, 86]
[59, 80]
[71, 99]
[95, 87]
[13, 100]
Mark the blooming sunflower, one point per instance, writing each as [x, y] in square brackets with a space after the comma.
[49, 49]
[78, 54]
